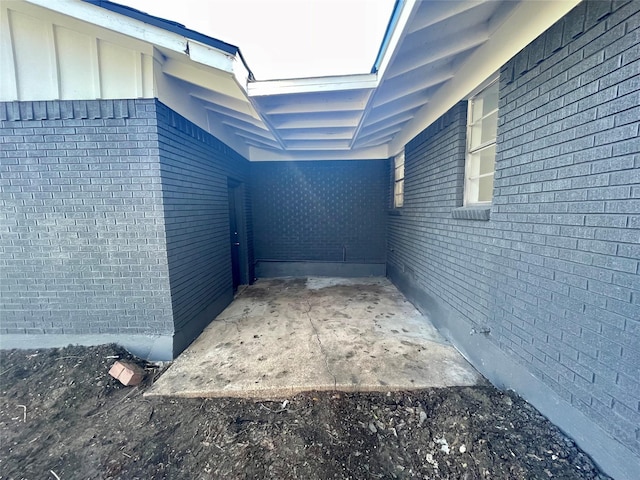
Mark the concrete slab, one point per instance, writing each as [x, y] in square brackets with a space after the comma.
[284, 336]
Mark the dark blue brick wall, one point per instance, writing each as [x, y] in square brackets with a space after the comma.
[195, 168]
[320, 211]
[554, 273]
[82, 246]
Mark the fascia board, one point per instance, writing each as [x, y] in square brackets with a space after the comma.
[409, 9]
[313, 85]
[210, 56]
[265, 155]
[139, 30]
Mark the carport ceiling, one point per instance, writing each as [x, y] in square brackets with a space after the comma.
[433, 55]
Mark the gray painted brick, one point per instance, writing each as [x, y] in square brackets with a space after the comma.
[565, 206]
[197, 244]
[351, 221]
[53, 215]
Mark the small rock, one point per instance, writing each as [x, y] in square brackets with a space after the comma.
[462, 448]
[373, 428]
[444, 446]
[431, 460]
[423, 417]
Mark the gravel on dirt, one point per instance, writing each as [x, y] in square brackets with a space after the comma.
[63, 417]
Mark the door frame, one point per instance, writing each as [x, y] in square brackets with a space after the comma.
[238, 190]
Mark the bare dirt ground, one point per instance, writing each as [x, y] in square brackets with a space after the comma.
[63, 417]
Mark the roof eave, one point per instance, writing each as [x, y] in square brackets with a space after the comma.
[170, 36]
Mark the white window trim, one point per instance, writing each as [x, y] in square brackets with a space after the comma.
[397, 180]
[467, 164]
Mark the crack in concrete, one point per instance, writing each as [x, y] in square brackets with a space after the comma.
[324, 353]
[233, 319]
[233, 322]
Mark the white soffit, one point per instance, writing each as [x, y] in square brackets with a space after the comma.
[433, 55]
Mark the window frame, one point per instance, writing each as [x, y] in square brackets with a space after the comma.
[468, 199]
[398, 180]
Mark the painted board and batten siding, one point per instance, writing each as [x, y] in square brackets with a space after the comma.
[55, 58]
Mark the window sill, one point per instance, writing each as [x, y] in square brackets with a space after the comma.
[476, 212]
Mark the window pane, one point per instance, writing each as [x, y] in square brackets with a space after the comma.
[487, 160]
[398, 200]
[475, 134]
[483, 131]
[485, 189]
[398, 187]
[399, 166]
[471, 191]
[481, 146]
[490, 99]
[476, 109]
[489, 128]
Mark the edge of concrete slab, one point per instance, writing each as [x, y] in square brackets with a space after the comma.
[274, 394]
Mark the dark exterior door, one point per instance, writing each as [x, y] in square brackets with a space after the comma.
[234, 238]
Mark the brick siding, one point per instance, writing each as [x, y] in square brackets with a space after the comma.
[320, 211]
[195, 168]
[115, 220]
[82, 246]
[568, 189]
[554, 272]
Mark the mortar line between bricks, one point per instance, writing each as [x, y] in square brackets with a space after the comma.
[324, 352]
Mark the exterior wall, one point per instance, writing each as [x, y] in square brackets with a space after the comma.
[82, 245]
[321, 218]
[553, 275]
[115, 225]
[195, 168]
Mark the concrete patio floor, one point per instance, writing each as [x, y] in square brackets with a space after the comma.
[284, 336]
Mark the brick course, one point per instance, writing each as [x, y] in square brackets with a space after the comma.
[82, 246]
[320, 211]
[554, 272]
[115, 220]
[195, 168]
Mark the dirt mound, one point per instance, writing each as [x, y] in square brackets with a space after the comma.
[62, 416]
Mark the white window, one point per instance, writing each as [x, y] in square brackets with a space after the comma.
[482, 128]
[398, 175]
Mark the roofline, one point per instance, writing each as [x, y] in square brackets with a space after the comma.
[173, 27]
[386, 38]
[312, 84]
